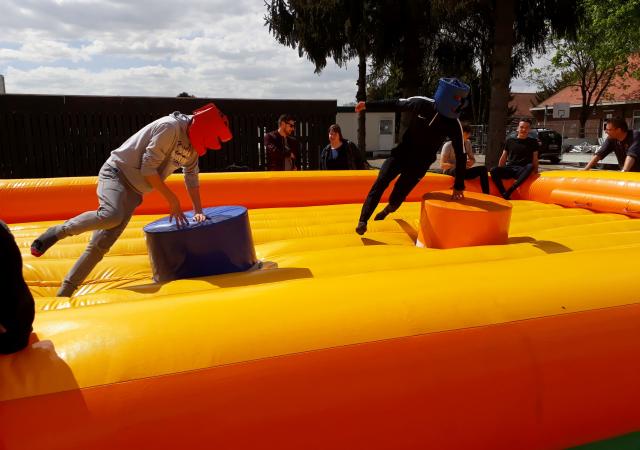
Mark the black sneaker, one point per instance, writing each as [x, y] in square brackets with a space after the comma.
[382, 214]
[45, 241]
[361, 228]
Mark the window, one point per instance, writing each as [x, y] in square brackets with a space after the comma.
[386, 126]
[635, 123]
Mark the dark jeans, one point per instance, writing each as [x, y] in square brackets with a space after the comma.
[117, 201]
[474, 172]
[519, 173]
[410, 176]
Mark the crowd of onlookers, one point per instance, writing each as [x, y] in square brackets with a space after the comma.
[515, 162]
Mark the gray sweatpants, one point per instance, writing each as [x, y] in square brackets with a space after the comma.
[117, 201]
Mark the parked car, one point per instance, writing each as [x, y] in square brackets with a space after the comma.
[550, 143]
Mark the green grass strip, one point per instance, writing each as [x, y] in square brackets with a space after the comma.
[627, 442]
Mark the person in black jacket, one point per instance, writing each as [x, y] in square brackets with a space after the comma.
[341, 153]
[16, 303]
[433, 122]
[282, 150]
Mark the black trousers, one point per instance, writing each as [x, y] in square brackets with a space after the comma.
[11, 342]
[519, 173]
[474, 172]
[410, 175]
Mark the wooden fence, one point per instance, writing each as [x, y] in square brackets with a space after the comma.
[45, 136]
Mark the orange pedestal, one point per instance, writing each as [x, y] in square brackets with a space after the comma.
[478, 219]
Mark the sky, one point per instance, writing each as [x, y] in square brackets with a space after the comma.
[208, 48]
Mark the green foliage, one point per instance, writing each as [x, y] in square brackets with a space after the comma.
[607, 36]
[600, 50]
[549, 80]
[320, 29]
[615, 24]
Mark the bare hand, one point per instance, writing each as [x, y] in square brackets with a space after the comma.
[175, 212]
[361, 106]
[199, 217]
[457, 194]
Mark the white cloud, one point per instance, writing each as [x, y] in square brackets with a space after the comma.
[209, 48]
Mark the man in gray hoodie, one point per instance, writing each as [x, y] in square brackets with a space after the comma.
[138, 166]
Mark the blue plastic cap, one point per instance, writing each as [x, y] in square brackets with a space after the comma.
[221, 244]
[445, 97]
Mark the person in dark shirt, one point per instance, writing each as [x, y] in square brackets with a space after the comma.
[282, 151]
[518, 161]
[341, 153]
[16, 303]
[432, 122]
[623, 142]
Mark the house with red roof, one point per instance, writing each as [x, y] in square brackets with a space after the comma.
[521, 104]
[622, 98]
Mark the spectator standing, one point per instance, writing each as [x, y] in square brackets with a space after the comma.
[282, 149]
[341, 153]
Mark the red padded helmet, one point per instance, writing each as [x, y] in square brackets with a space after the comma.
[208, 128]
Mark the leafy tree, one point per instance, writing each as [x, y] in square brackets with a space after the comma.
[390, 33]
[486, 43]
[548, 82]
[414, 41]
[520, 29]
[336, 29]
[597, 55]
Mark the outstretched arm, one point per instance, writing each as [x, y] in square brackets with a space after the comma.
[419, 105]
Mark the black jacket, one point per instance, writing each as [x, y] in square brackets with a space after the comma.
[349, 157]
[16, 301]
[426, 133]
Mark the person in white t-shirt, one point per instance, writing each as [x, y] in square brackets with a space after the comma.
[448, 161]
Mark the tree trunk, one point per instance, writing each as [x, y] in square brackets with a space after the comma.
[361, 96]
[410, 63]
[503, 18]
[582, 118]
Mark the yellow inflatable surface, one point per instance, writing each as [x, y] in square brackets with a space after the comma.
[337, 340]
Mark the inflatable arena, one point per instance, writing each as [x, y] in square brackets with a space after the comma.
[330, 340]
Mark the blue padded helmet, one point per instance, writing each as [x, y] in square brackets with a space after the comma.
[445, 97]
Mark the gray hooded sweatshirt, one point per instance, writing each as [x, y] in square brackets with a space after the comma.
[159, 148]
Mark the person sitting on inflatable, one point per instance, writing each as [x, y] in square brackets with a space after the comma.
[138, 166]
[432, 123]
